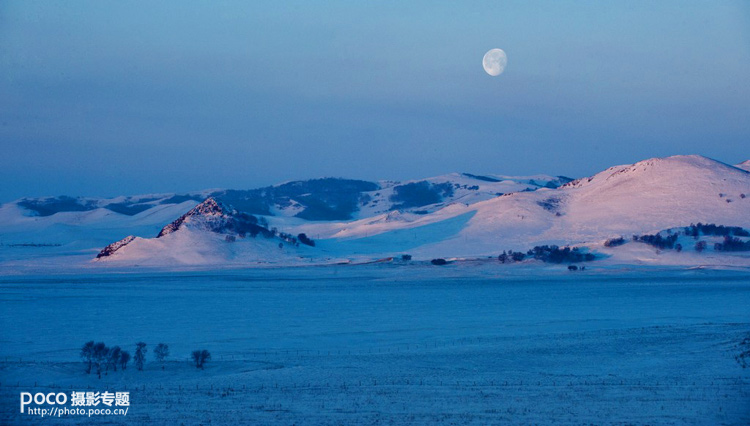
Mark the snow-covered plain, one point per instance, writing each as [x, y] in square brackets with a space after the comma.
[386, 344]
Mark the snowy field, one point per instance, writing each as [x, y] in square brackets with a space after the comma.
[389, 344]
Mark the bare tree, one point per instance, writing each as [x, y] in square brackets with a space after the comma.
[743, 358]
[87, 354]
[197, 358]
[161, 352]
[140, 355]
[100, 356]
[113, 357]
[124, 358]
[205, 356]
[200, 357]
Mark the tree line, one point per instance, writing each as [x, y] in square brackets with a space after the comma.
[100, 357]
[731, 242]
[695, 230]
[549, 254]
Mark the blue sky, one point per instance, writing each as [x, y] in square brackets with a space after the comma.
[105, 98]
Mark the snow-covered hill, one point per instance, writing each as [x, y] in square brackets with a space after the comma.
[314, 199]
[346, 199]
[26, 237]
[450, 216]
[432, 194]
[645, 197]
[69, 225]
[210, 232]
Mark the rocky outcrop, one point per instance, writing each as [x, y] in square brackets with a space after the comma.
[112, 248]
[213, 216]
[210, 212]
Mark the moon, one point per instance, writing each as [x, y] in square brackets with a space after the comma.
[494, 62]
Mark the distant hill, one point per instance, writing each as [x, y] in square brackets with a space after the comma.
[314, 199]
[332, 220]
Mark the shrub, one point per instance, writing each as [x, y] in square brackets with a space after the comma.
[439, 262]
[732, 244]
[517, 256]
[695, 230]
[305, 240]
[614, 242]
[511, 256]
[555, 254]
[551, 204]
[657, 240]
[289, 238]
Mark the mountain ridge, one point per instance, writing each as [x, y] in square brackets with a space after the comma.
[460, 215]
[313, 199]
[647, 196]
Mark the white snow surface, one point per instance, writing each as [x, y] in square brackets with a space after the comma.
[393, 345]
